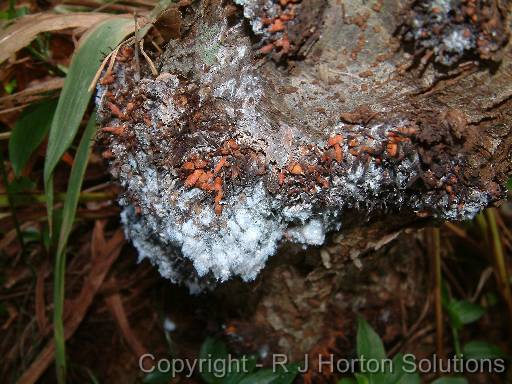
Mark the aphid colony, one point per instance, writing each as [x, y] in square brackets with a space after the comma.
[211, 189]
[282, 25]
[450, 30]
[309, 173]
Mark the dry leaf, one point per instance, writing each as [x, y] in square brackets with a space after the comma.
[21, 33]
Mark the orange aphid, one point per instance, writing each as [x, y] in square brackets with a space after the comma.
[338, 154]
[217, 185]
[218, 197]
[107, 154]
[392, 149]
[296, 169]
[267, 48]
[233, 145]
[204, 177]
[353, 143]
[117, 130]
[115, 110]
[107, 79]
[218, 206]
[129, 107]
[208, 187]
[219, 165]
[276, 26]
[189, 166]
[333, 140]
[192, 179]
[407, 130]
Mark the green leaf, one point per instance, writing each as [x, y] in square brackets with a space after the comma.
[450, 380]
[268, 376]
[397, 374]
[238, 372]
[288, 375]
[29, 132]
[347, 380]
[10, 87]
[158, 377]
[74, 97]
[68, 217]
[212, 349]
[369, 343]
[370, 346]
[262, 376]
[482, 350]
[13, 12]
[410, 378]
[361, 379]
[509, 184]
[463, 312]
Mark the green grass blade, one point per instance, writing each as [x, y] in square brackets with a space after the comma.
[74, 97]
[68, 216]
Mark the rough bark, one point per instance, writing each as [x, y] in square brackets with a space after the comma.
[309, 118]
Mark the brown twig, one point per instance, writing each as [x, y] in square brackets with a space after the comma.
[40, 304]
[115, 304]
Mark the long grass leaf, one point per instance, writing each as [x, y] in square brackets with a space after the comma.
[75, 97]
[68, 216]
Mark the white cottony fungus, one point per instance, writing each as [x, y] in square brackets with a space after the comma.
[222, 160]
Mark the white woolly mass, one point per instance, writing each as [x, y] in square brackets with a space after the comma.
[177, 227]
[237, 243]
[312, 233]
